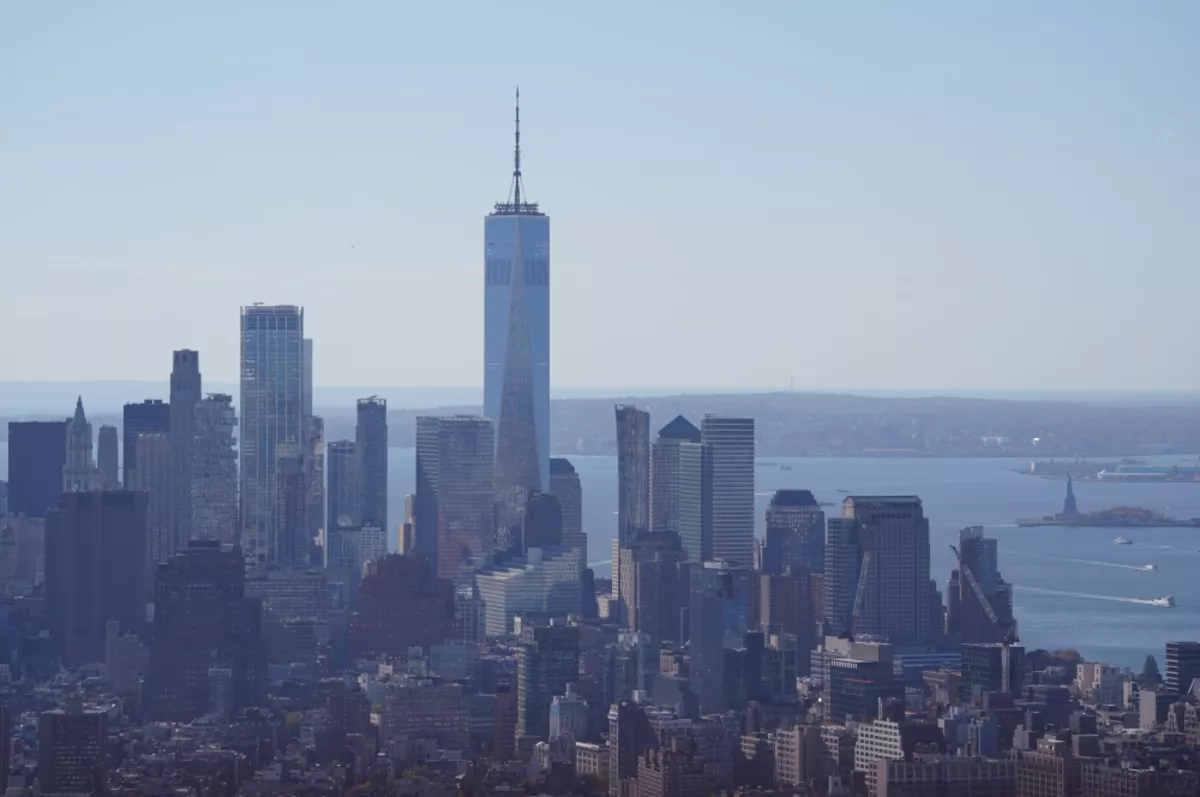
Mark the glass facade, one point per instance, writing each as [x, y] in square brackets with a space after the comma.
[272, 423]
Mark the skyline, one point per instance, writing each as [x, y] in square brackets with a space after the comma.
[1016, 191]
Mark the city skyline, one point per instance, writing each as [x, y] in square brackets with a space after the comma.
[844, 173]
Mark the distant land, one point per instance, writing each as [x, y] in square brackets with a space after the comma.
[1107, 424]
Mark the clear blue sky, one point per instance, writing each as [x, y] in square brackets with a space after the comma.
[886, 195]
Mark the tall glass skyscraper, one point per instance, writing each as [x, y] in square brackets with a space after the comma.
[272, 424]
[517, 342]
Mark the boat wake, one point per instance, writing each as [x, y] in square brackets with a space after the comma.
[1089, 596]
[1139, 568]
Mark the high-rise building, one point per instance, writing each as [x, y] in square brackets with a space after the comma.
[107, 458]
[79, 474]
[306, 355]
[371, 438]
[565, 486]
[883, 540]
[272, 420]
[795, 533]
[544, 584]
[666, 474]
[342, 464]
[153, 477]
[516, 392]
[992, 667]
[731, 441]
[37, 456]
[5, 747]
[150, 415]
[425, 508]
[464, 498]
[719, 596]
[196, 591]
[633, 471]
[185, 394]
[292, 539]
[214, 478]
[695, 491]
[543, 526]
[967, 619]
[95, 570]
[547, 660]
[1183, 667]
[72, 747]
[402, 604]
[314, 477]
[654, 586]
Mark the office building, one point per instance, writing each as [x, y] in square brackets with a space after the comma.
[314, 475]
[107, 458]
[292, 539]
[185, 394]
[543, 526]
[272, 419]
[731, 441]
[695, 500]
[95, 570]
[653, 586]
[195, 606]
[547, 660]
[794, 535]
[464, 498]
[788, 604]
[938, 775]
[214, 477]
[569, 716]
[883, 540]
[633, 472]
[72, 750]
[517, 343]
[344, 494]
[151, 415]
[719, 596]
[854, 676]
[993, 667]
[37, 456]
[425, 509]
[5, 747]
[153, 477]
[565, 486]
[967, 618]
[666, 473]
[402, 604]
[371, 441]
[543, 584]
[79, 474]
[306, 362]
[1182, 667]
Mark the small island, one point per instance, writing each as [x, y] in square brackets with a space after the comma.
[1117, 517]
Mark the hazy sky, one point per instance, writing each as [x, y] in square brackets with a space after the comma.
[888, 195]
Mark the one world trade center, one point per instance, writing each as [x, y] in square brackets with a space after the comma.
[516, 382]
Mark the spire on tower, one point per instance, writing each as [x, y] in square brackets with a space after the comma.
[517, 204]
[517, 155]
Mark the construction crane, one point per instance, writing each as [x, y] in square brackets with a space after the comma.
[1010, 634]
[859, 593]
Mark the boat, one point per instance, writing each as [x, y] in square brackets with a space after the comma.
[1150, 568]
[1122, 541]
[785, 467]
[1165, 600]
[841, 490]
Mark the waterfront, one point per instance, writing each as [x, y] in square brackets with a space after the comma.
[1073, 586]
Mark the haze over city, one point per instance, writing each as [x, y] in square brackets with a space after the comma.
[971, 197]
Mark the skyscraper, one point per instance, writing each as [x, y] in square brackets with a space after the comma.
[465, 505]
[883, 540]
[547, 660]
[543, 526]
[795, 533]
[633, 472]
[72, 745]
[966, 617]
[107, 458]
[517, 342]
[272, 422]
[565, 486]
[665, 510]
[151, 415]
[37, 457]
[731, 441]
[193, 604]
[371, 439]
[425, 510]
[95, 570]
[214, 477]
[695, 496]
[79, 474]
[1183, 667]
[185, 394]
[342, 463]
[153, 477]
[314, 478]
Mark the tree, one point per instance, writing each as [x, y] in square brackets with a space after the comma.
[1150, 673]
